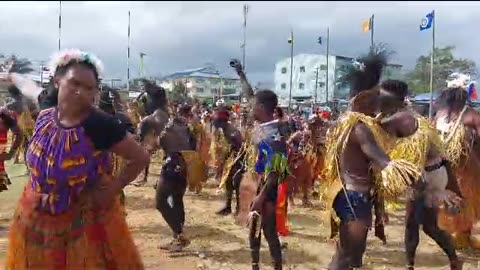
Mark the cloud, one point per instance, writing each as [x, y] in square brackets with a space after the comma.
[181, 35]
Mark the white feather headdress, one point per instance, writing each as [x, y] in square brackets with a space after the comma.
[458, 80]
[64, 57]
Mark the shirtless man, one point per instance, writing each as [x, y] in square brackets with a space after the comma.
[353, 203]
[234, 140]
[429, 192]
[172, 134]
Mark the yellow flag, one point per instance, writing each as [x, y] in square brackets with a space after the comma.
[366, 25]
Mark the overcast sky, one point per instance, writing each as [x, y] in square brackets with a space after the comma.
[182, 35]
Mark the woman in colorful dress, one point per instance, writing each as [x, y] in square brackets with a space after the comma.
[69, 216]
[7, 122]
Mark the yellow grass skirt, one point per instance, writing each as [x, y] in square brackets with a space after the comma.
[78, 239]
[196, 170]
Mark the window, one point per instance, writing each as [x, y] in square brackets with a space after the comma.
[321, 84]
[301, 86]
[283, 86]
[229, 91]
[323, 67]
[302, 69]
[284, 70]
[200, 90]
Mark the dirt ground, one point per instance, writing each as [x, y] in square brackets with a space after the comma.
[219, 244]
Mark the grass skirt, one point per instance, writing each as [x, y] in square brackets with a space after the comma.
[197, 173]
[467, 174]
[78, 239]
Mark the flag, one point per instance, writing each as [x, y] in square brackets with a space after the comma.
[427, 22]
[319, 40]
[367, 24]
[472, 91]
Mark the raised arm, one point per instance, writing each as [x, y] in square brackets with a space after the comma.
[369, 146]
[247, 89]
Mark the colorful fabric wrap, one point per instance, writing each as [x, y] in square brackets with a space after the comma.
[80, 238]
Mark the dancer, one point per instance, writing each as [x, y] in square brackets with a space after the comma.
[173, 136]
[7, 122]
[234, 168]
[24, 113]
[272, 166]
[354, 146]
[418, 142]
[459, 125]
[71, 180]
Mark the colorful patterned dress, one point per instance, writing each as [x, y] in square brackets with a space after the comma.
[55, 224]
[4, 180]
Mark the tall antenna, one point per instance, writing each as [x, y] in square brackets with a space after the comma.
[244, 45]
[128, 54]
[60, 26]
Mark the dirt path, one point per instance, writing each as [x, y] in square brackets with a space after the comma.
[223, 245]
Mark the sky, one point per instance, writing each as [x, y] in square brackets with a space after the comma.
[182, 35]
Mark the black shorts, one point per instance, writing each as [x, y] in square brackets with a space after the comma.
[353, 205]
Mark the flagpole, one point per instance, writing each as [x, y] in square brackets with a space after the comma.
[244, 45]
[128, 54]
[291, 73]
[431, 65]
[60, 27]
[371, 30]
[328, 60]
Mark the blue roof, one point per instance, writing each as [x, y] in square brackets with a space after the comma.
[203, 72]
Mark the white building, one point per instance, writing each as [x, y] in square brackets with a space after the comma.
[304, 76]
[205, 83]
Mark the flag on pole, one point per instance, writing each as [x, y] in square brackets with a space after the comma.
[367, 24]
[472, 91]
[290, 39]
[320, 40]
[427, 22]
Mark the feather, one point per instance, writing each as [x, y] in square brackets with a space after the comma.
[365, 72]
[27, 86]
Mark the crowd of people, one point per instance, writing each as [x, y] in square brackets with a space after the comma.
[83, 146]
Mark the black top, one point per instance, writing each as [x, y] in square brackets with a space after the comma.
[104, 130]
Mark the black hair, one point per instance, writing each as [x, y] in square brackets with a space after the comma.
[396, 87]
[279, 112]
[156, 97]
[268, 99]
[452, 98]
[368, 76]
[106, 103]
[49, 96]
[184, 109]
[7, 120]
[14, 91]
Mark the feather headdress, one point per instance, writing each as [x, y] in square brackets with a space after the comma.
[365, 72]
[65, 57]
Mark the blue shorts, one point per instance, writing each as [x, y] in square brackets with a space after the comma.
[358, 206]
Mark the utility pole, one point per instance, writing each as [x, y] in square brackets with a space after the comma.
[42, 64]
[316, 83]
[328, 60]
[142, 66]
[128, 54]
[291, 72]
[60, 27]
[244, 45]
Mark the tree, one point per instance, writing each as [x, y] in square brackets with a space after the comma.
[20, 65]
[444, 64]
[178, 93]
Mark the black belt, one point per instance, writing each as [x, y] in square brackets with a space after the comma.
[437, 166]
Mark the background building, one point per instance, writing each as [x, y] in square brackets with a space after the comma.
[204, 83]
[305, 67]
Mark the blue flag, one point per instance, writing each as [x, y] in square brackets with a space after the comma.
[427, 22]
